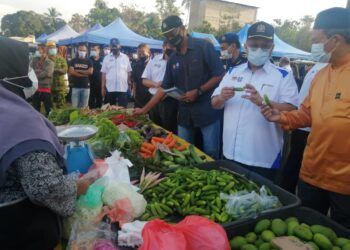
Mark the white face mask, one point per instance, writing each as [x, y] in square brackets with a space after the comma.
[258, 56]
[82, 54]
[225, 54]
[318, 53]
[28, 91]
[37, 54]
[52, 52]
[93, 53]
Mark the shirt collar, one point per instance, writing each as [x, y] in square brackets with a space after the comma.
[265, 68]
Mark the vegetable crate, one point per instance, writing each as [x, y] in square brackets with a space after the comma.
[288, 200]
[303, 214]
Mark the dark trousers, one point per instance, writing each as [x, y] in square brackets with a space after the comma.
[95, 99]
[29, 227]
[289, 175]
[164, 114]
[117, 97]
[42, 97]
[322, 200]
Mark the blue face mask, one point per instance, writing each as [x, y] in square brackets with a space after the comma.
[258, 56]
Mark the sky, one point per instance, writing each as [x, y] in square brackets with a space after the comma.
[268, 9]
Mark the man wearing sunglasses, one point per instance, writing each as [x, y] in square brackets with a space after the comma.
[247, 137]
[196, 70]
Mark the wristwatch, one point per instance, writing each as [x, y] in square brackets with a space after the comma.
[200, 92]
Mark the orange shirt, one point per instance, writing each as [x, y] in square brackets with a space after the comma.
[326, 162]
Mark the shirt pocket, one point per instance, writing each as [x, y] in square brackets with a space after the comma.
[340, 108]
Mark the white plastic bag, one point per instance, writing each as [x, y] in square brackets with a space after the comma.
[130, 235]
[117, 191]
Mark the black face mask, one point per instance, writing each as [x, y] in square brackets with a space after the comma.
[143, 59]
[115, 51]
[176, 41]
[168, 52]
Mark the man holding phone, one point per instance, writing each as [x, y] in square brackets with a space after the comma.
[247, 137]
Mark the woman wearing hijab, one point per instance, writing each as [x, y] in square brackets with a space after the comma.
[34, 191]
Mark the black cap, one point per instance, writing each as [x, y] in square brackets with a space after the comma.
[170, 23]
[229, 37]
[261, 29]
[114, 42]
[333, 18]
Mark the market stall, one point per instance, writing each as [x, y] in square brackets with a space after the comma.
[142, 173]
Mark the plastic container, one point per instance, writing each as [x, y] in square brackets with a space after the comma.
[288, 200]
[305, 215]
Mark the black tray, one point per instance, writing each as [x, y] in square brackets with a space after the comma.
[305, 215]
[288, 200]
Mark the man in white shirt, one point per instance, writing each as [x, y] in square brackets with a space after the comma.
[163, 113]
[290, 172]
[285, 64]
[247, 137]
[116, 73]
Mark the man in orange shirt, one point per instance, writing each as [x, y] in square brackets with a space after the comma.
[325, 172]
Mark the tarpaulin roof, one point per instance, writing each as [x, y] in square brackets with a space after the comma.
[209, 37]
[281, 48]
[80, 38]
[42, 36]
[63, 33]
[119, 30]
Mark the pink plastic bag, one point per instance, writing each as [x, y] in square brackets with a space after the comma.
[192, 233]
[122, 212]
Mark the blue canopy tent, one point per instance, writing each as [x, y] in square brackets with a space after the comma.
[64, 32]
[209, 37]
[41, 37]
[118, 29]
[281, 48]
[80, 38]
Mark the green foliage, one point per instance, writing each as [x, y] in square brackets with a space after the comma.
[22, 23]
[147, 24]
[166, 8]
[78, 22]
[52, 21]
[296, 33]
[205, 27]
[102, 14]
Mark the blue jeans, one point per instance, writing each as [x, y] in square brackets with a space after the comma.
[80, 97]
[210, 136]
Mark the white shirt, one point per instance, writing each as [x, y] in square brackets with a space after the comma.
[248, 137]
[288, 68]
[304, 91]
[155, 71]
[116, 70]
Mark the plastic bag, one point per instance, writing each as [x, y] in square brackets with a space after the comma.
[125, 199]
[90, 236]
[123, 141]
[87, 207]
[193, 233]
[244, 204]
[130, 235]
[118, 168]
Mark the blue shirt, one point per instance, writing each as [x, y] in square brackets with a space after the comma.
[190, 71]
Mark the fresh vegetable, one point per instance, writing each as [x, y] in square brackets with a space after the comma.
[61, 116]
[238, 89]
[318, 237]
[148, 181]
[267, 100]
[107, 133]
[192, 191]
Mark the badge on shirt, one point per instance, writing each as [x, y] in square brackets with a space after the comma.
[237, 78]
[337, 95]
[176, 65]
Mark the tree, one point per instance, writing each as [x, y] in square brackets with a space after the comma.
[166, 8]
[147, 24]
[102, 14]
[228, 23]
[78, 22]
[52, 20]
[295, 33]
[205, 27]
[22, 23]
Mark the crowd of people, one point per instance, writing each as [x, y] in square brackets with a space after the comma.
[239, 105]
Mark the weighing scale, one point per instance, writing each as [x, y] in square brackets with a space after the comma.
[77, 153]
